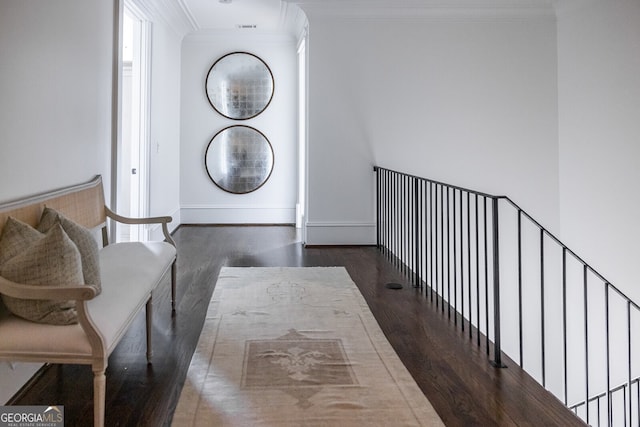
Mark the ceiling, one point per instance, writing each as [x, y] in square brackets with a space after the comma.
[262, 15]
[281, 15]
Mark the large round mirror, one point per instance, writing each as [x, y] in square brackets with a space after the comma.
[239, 159]
[239, 85]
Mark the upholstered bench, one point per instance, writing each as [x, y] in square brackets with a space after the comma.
[101, 312]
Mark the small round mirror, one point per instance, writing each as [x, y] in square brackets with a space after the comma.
[239, 85]
[239, 159]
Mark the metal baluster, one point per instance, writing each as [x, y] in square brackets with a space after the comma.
[388, 214]
[586, 341]
[497, 337]
[417, 218]
[385, 206]
[520, 288]
[461, 265]
[564, 323]
[469, 260]
[608, 350]
[455, 265]
[448, 254]
[393, 219]
[461, 261]
[396, 219]
[442, 247]
[377, 208]
[598, 406]
[486, 279]
[477, 273]
[407, 226]
[420, 215]
[392, 195]
[408, 216]
[401, 224]
[383, 201]
[629, 359]
[542, 319]
[433, 254]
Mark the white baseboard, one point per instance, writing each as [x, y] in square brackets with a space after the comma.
[340, 233]
[226, 214]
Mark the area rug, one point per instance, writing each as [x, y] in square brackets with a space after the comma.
[296, 347]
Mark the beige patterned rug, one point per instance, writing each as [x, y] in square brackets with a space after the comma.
[296, 347]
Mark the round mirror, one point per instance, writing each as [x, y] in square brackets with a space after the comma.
[239, 85]
[239, 159]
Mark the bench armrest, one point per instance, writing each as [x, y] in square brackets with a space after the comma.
[57, 293]
[78, 293]
[164, 220]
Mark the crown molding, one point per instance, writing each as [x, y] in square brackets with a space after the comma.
[294, 21]
[171, 12]
[417, 10]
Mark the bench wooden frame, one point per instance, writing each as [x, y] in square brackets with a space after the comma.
[84, 204]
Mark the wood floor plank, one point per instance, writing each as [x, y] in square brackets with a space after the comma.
[452, 371]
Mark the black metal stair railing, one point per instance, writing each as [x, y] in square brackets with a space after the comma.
[515, 288]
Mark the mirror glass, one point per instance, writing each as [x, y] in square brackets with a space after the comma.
[239, 159]
[239, 85]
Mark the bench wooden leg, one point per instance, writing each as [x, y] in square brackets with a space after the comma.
[173, 286]
[99, 394]
[149, 311]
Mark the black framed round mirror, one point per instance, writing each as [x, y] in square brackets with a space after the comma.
[239, 85]
[239, 159]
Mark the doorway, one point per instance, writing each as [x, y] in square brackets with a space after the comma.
[301, 206]
[133, 146]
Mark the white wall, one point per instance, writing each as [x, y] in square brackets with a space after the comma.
[599, 134]
[55, 108]
[470, 100]
[164, 166]
[201, 200]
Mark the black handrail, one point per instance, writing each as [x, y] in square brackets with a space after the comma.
[447, 239]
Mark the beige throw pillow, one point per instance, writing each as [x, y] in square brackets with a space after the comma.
[84, 240]
[53, 260]
[16, 237]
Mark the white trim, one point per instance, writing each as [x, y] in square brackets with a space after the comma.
[145, 114]
[174, 14]
[427, 10]
[193, 22]
[237, 214]
[116, 106]
[340, 233]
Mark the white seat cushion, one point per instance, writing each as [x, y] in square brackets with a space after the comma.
[130, 271]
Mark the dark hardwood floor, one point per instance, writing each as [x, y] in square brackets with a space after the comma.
[450, 369]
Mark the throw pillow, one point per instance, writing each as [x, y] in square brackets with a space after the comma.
[16, 237]
[84, 240]
[53, 260]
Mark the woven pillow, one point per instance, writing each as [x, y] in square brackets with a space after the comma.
[84, 240]
[16, 237]
[53, 260]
